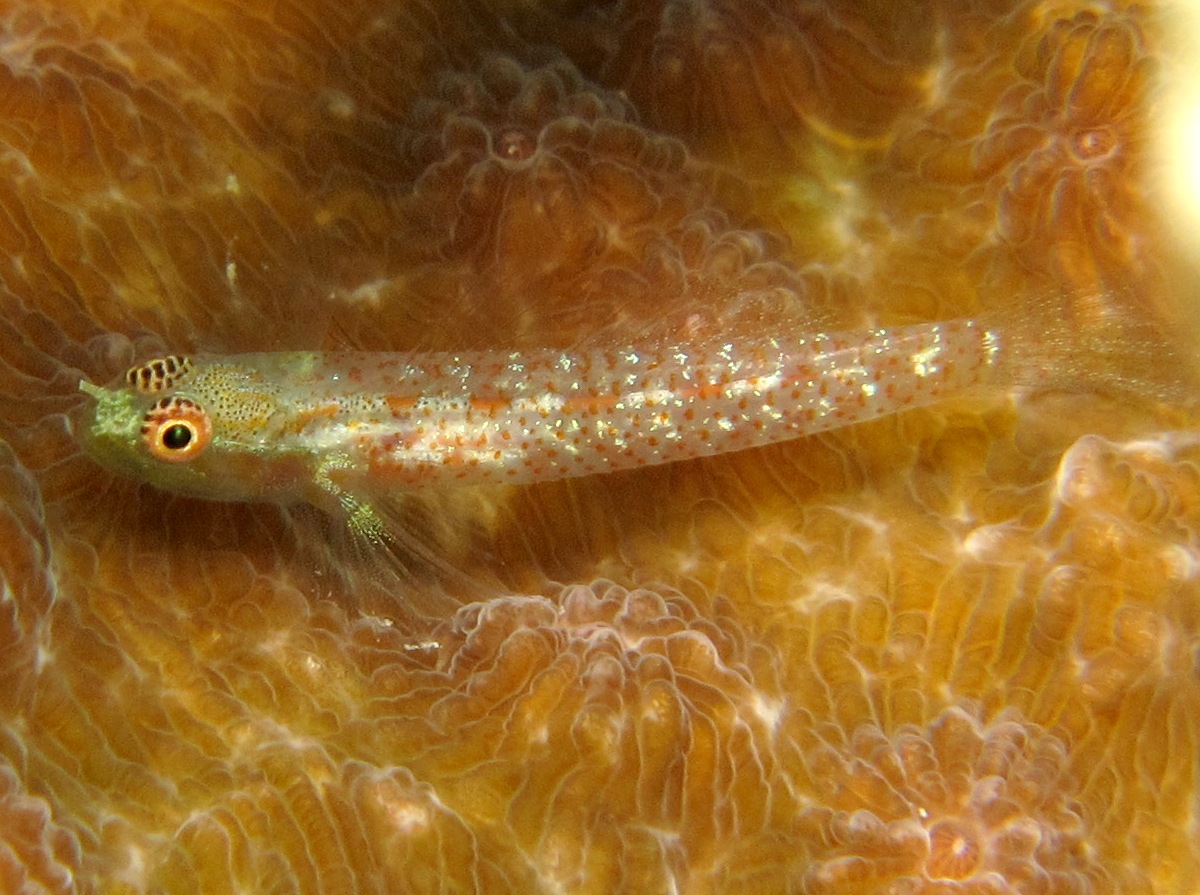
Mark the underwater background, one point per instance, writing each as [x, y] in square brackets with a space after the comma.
[956, 649]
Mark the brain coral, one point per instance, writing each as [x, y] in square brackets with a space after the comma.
[956, 649]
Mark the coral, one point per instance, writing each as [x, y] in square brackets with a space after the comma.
[506, 159]
[1044, 146]
[951, 650]
[957, 806]
[36, 855]
[759, 77]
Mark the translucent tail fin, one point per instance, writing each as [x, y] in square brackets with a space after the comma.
[1109, 343]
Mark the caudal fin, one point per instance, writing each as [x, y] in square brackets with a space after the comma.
[1107, 343]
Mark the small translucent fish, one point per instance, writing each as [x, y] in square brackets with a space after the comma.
[340, 429]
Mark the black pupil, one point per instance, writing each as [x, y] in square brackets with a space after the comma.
[176, 437]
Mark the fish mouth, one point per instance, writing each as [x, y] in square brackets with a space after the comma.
[106, 426]
[81, 419]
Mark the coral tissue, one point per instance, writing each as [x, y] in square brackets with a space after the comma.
[952, 650]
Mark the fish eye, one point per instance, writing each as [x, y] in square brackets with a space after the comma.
[177, 436]
[176, 429]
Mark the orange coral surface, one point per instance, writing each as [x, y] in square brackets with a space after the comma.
[955, 650]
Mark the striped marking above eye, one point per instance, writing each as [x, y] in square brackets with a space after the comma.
[161, 373]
